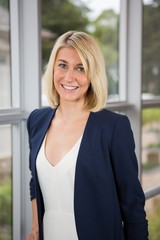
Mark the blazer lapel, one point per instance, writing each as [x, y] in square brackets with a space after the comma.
[44, 123]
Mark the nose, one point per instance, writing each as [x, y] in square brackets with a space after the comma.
[70, 75]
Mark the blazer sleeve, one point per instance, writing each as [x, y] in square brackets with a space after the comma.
[32, 182]
[130, 193]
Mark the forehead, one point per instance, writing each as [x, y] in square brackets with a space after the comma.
[68, 54]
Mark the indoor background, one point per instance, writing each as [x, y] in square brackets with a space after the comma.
[128, 32]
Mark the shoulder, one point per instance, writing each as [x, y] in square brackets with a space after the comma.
[37, 116]
[111, 122]
[106, 116]
[39, 112]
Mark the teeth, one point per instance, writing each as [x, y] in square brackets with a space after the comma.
[69, 87]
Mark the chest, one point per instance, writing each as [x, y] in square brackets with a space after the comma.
[61, 139]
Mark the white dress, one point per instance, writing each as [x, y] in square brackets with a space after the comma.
[57, 186]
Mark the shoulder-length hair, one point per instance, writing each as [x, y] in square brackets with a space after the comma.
[94, 67]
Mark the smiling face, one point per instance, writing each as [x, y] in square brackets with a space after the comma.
[70, 80]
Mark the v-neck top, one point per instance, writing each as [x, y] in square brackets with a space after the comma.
[57, 186]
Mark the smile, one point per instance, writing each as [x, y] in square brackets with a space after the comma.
[69, 87]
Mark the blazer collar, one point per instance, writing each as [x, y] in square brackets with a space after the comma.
[46, 120]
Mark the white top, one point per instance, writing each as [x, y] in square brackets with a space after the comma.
[57, 186]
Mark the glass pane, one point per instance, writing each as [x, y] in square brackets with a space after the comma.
[5, 183]
[153, 213]
[151, 50]
[99, 19]
[5, 81]
[150, 147]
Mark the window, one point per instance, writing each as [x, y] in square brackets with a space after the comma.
[100, 20]
[5, 130]
[151, 50]
[5, 81]
[151, 113]
[5, 183]
[153, 210]
[118, 32]
[150, 147]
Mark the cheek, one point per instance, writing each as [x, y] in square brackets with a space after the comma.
[86, 82]
[55, 79]
[56, 76]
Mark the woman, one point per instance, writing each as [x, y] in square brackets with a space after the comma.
[84, 181]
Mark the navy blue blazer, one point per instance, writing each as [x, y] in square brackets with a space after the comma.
[108, 198]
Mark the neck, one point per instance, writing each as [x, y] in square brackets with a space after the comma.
[71, 111]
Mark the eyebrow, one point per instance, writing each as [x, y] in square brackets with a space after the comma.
[62, 60]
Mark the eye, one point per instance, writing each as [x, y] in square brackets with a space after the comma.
[62, 65]
[80, 68]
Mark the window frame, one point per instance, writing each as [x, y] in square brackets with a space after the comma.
[26, 92]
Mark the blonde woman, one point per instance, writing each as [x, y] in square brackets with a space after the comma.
[84, 182]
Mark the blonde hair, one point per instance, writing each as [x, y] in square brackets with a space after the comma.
[94, 66]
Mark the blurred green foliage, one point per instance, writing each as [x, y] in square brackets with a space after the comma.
[154, 223]
[149, 165]
[59, 16]
[5, 203]
[5, 210]
[151, 48]
[150, 115]
[4, 3]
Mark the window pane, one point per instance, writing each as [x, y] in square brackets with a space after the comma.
[151, 49]
[5, 183]
[5, 81]
[151, 147]
[100, 20]
[153, 213]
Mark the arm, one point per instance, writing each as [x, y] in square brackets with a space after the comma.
[130, 193]
[34, 235]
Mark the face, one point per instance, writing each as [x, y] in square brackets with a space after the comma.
[70, 79]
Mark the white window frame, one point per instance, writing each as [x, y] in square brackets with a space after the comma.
[26, 92]
[25, 75]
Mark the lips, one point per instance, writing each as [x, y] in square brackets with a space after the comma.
[69, 87]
